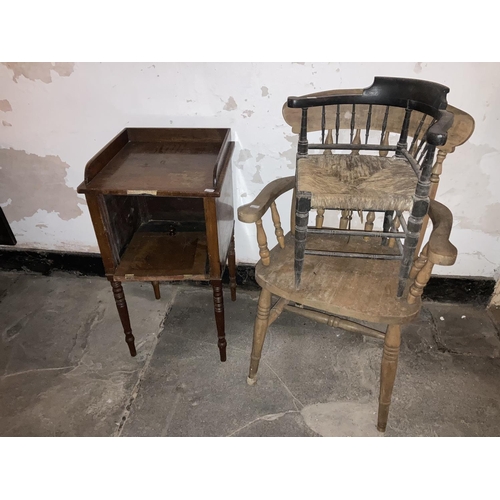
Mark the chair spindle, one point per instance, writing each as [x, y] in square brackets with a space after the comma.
[369, 224]
[329, 140]
[320, 217]
[353, 121]
[421, 280]
[423, 142]
[395, 226]
[357, 140]
[277, 225]
[419, 263]
[262, 241]
[403, 138]
[337, 124]
[423, 153]
[345, 219]
[384, 142]
[323, 125]
[368, 123]
[414, 141]
[302, 144]
[384, 124]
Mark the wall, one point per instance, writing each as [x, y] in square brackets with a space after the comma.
[55, 116]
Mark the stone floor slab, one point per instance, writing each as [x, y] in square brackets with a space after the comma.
[65, 366]
[187, 391]
[466, 329]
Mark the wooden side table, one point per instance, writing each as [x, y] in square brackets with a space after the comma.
[161, 202]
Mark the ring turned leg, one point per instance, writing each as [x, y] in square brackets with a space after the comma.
[219, 317]
[231, 261]
[156, 288]
[259, 333]
[121, 305]
[388, 373]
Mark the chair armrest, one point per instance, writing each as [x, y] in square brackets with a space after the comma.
[440, 250]
[438, 133]
[254, 210]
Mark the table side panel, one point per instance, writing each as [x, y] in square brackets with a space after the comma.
[124, 218]
[212, 238]
[170, 208]
[225, 214]
[102, 228]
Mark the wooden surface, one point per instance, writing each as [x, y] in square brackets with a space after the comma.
[361, 289]
[252, 212]
[152, 256]
[160, 162]
[439, 249]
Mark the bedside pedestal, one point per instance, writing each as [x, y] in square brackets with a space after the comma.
[161, 202]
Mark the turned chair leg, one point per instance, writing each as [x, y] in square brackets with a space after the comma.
[231, 263]
[156, 288]
[219, 317]
[301, 219]
[121, 305]
[259, 333]
[388, 373]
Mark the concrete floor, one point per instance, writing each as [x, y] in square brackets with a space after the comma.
[65, 368]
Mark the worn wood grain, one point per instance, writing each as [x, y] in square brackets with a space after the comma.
[357, 288]
[158, 162]
[253, 211]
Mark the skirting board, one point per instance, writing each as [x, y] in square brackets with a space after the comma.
[466, 290]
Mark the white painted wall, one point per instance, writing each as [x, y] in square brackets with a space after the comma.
[53, 119]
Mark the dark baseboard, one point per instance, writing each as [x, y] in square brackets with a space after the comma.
[464, 290]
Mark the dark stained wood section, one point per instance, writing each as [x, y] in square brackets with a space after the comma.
[161, 201]
[153, 256]
[225, 215]
[160, 162]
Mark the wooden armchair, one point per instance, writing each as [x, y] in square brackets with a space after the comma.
[353, 289]
[339, 291]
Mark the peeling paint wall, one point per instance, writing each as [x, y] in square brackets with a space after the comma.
[55, 116]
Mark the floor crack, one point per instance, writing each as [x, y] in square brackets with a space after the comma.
[142, 373]
[285, 386]
[268, 417]
[36, 370]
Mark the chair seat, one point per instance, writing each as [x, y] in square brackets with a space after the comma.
[363, 289]
[357, 182]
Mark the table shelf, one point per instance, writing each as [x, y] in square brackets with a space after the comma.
[159, 256]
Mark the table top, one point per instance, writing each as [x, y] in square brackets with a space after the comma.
[161, 162]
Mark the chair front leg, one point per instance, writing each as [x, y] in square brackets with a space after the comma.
[259, 333]
[388, 373]
[301, 219]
